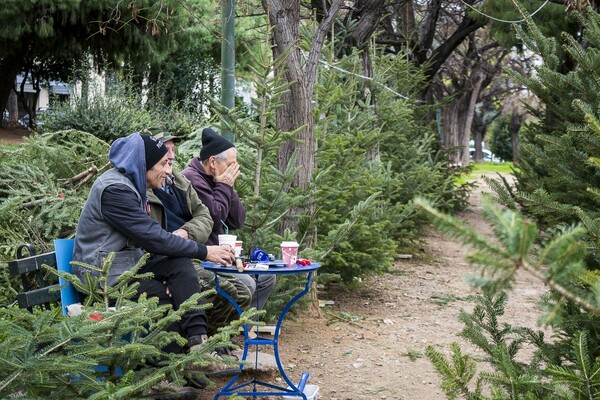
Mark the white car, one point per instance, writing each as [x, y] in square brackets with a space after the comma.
[487, 155]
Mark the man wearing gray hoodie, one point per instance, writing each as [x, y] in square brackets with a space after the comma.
[115, 218]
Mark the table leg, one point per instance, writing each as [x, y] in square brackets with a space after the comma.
[294, 390]
[278, 329]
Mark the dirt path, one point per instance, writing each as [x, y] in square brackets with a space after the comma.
[12, 135]
[379, 352]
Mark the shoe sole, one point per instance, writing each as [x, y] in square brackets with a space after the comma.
[184, 393]
[225, 372]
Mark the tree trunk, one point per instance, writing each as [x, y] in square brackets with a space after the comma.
[453, 117]
[466, 133]
[477, 139]
[9, 67]
[516, 120]
[13, 109]
[458, 119]
[366, 15]
[284, 17]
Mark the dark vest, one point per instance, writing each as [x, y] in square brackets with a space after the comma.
[95, 239]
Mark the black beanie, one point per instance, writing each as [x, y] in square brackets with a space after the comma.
[154, 150]
[213, 144]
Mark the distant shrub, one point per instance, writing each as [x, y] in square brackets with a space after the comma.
[118, 111]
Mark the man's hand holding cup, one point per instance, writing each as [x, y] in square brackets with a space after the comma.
[224, 255]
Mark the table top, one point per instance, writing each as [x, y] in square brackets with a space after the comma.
[277, 270]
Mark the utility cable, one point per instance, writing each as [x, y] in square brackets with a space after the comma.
[366, 78]
[503, 20]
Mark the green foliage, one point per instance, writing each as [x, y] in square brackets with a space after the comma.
[571, 373]
[583, 378]
[551, 18]
[119, 110]
[558, 176]
[190, 73]
[564, 367]
[39, 199]
[47, 355]
[42, 192]
[360, 219]
[501, 343]
[47, 39]
[500, 141]
[386, 156]
[265, 190]
[557, 262]
[456, 373]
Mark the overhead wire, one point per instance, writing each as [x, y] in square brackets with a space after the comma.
[366, 78]
[504, 20]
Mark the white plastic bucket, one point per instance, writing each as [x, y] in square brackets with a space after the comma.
[310, 391]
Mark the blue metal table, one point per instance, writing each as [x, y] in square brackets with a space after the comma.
[251, 388]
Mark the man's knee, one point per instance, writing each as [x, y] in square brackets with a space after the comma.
[183, 268]
[267, 281]
[248, 281]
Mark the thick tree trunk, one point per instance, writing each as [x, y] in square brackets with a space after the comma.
[13, 109]
[284, 16]
[9, 67]
[458, 119]
[366, 15]
[453, 117]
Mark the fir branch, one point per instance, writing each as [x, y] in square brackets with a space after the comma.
[457, 375]
[563, 254]
[562, 291]
[82, 177]
[343, 230]
[450, 225]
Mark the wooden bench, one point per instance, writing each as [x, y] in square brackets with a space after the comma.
[39, 287]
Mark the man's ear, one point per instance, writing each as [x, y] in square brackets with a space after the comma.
[211, 161]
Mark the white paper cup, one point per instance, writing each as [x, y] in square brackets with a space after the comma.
[238, 248]
[228, 240]
[289, 253]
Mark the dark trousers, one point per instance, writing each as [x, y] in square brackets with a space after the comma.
[182, 280]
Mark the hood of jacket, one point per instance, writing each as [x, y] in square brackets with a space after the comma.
[128, 156]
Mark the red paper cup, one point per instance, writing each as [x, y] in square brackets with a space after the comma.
[289, 253]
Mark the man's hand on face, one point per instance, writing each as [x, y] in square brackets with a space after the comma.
[230, 174]
[220, 254]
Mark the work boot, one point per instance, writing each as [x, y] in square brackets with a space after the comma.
[173, 393]
[222, 356]
[194, 342]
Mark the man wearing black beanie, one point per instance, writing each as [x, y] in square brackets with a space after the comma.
[115, 218]
[213, 175]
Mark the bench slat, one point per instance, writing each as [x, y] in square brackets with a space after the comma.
[31, 264]
[39, 296]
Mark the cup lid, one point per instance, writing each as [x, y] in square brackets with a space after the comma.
[289, 244]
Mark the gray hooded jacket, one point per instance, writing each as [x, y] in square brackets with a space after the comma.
[105, 226]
